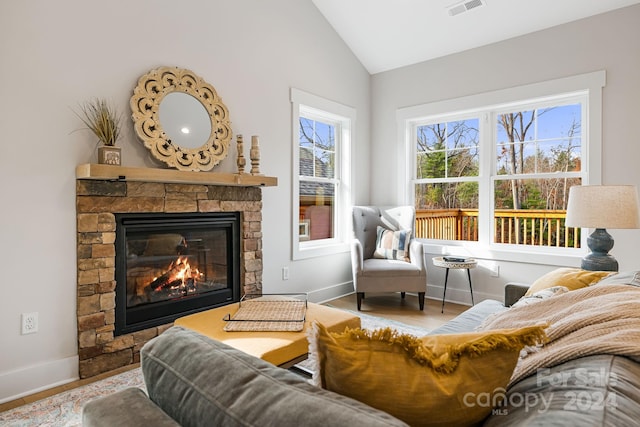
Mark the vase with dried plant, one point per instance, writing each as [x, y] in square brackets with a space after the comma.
[105, 123]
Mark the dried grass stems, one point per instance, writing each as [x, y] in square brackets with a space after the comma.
[102, 119]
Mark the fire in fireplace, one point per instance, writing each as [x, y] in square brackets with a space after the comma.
[170, 265]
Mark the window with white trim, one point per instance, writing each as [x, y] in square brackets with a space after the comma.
[497, 174]
[321, 178]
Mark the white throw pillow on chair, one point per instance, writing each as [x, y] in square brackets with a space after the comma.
[392, 244]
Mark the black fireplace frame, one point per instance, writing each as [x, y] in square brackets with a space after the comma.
[134, 319]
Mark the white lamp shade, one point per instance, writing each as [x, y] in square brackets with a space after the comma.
[603, 206]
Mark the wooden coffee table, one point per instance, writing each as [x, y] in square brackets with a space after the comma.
[283, 349]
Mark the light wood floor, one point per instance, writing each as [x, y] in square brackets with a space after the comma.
[389, 306]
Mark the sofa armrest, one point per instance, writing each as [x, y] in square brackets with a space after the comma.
[224, 386]
[128, 407]
[513, 292]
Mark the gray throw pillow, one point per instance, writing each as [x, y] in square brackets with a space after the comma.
[623, 278]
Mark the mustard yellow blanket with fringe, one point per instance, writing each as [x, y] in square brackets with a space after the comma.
[600, 319]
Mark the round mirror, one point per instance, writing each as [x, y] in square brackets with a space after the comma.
[181, 119]
[184, 120]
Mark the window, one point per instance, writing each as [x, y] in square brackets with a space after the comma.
[538, 153]
[446, 181]
[321, 177]
[494, 170]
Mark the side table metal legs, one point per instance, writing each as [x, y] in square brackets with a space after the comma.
[470, 287]
[446, 279]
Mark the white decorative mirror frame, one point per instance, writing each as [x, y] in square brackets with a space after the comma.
[145, 103]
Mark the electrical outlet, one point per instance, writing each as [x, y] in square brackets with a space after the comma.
[285, 273]
[29, 323]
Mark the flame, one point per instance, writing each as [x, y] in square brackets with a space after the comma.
[181, 275]
[183, 270]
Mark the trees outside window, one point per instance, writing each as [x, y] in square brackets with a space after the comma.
[535, 152]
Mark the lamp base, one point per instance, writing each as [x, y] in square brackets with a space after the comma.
[600, 242]
[594, 262]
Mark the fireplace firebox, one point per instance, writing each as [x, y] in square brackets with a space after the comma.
[171, 265]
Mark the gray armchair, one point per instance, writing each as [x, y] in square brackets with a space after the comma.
[385, 275]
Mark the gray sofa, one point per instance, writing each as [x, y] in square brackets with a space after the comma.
[195, 381]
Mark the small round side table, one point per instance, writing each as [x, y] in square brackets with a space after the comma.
[467, 264]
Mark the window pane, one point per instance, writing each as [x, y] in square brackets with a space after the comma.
[306, 161]
[464, 162]
[325, 161]
[306, 132]
[462, 134]
[317, 148]
[563, 121]
[558, 156]
[317, 203]
[532, 212]
[431, 165]
[431, 137]
[325, 136]
[539, 141]
[447, 211]
[446, 150]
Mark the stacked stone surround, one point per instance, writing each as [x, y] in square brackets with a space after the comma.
[96, 203]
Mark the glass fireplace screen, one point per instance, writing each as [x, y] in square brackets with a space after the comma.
[169, 265]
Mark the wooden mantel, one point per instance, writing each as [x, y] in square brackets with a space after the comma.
[121, 173]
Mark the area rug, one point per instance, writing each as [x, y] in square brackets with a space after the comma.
[372, 322]
[65, 409]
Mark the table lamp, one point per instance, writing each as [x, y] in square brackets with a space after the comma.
[601, 207]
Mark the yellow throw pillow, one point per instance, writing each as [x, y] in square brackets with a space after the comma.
[436, 380]
[570, 278]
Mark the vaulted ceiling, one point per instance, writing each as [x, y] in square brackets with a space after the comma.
[388, 34]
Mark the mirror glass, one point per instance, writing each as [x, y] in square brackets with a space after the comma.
[184, 120]
[181, 119]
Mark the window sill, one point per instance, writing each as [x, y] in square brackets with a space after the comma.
[560, 257]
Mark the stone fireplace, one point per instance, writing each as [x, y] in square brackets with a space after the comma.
[102, 195]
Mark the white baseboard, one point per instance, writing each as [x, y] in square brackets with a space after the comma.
[455, 296]
[460, 296]
[332, 292]
[23, 382]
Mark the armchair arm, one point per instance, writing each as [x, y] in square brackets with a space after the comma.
[357, 258]
[513, 292]
[416, 254]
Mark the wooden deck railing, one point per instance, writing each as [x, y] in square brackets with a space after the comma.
[520, 227]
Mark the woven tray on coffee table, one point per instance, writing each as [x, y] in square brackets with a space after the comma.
[268, 313]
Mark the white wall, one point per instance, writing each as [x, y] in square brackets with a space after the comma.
[57, 54]
[609, 42]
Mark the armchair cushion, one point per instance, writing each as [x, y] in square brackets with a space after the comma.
[392, 244]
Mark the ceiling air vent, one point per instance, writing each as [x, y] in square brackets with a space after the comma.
[465, 6]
